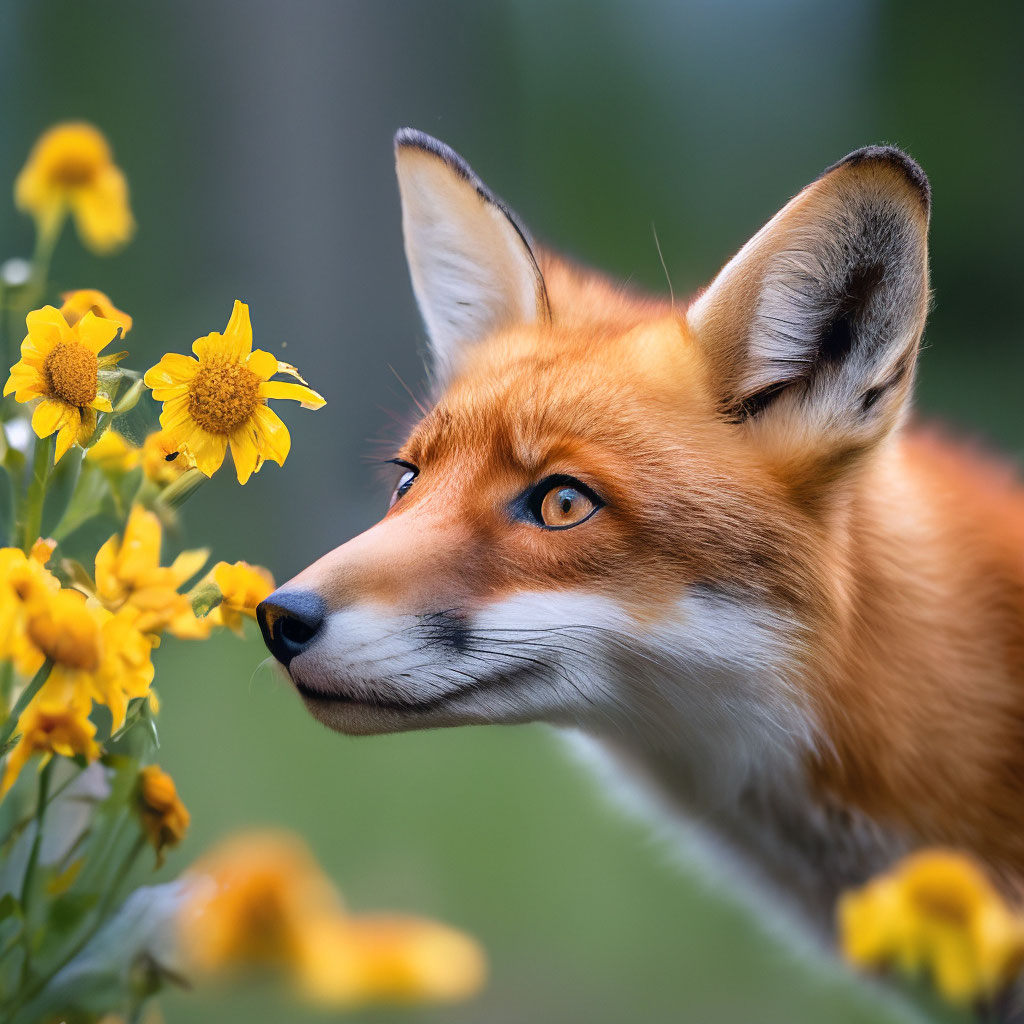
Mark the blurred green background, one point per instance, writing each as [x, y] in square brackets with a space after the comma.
[257, 139]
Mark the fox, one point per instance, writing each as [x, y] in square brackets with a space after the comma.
[705, 539]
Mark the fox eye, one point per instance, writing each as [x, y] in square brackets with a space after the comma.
[405, 481]
[561, 502]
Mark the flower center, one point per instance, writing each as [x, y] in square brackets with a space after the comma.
[73, 170]
[70, 370]
[222, 397]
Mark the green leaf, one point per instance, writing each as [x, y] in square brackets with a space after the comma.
[66, 912]
[8, 512]
[9, 906]
[87, 502]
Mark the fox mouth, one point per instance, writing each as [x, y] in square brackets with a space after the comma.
[429, 704]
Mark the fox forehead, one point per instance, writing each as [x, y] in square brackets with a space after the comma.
[527, 394]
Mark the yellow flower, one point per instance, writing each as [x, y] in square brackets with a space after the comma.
[936, 913]
[23, 580]
[71, 168]
[164, 817]
[61, 626]
[221, 398]
[96, 654]
[242, 587]
[265, 888]
[267, 904]
[61, 365]
[162, 462]
[129, 573]
[126, 666]
[55, 722]
[389, 958]
[114, 453]
[89, 300]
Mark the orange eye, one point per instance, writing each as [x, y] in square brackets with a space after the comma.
[565, 505]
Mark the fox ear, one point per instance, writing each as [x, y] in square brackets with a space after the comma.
[812, 329]
[472, 268]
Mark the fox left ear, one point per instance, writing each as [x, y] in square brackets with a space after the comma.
[472, 268]
[812, 329]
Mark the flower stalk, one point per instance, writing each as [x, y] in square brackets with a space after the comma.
[42, 463]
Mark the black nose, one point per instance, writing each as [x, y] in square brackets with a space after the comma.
[290, 620]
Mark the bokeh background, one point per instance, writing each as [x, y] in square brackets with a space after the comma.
[257, 139]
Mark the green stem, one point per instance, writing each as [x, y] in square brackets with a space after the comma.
[42, 465]
[27, 995]
[30, 868]
[42, 255]
[26, 695]
[6, 686]
[182, 489]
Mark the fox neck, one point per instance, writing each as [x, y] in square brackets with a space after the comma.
[726, 738]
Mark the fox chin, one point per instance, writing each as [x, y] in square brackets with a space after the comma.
[701, 535]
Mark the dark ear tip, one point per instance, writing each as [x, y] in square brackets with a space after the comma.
[892, 157]
[413, 138]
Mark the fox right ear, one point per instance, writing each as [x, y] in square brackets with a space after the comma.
[472, 268]
[812, 329]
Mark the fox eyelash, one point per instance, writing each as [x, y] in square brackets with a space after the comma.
[402, 463]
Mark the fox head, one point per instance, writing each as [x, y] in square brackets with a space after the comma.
[616, 513]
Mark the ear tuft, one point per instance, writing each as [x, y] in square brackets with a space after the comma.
[893, 159]
[470, 260]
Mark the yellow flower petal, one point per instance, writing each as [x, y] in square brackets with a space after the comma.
[87, 427]
[263, 364]
[238, 333]
[170, 377]
[309, 398]
[77, 303]
[189, 564]
[208, 450]
[102, 212]
[245, 452]
[95, 333]
[49, 416]
[47, 328]
[175, 420]
[274, 440]
[68, 433]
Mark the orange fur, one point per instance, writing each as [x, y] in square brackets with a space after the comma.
[900, 556]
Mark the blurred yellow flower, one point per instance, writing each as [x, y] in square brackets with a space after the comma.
[114, 453]
[61, 364]
[242, 587]
[96, 655]
[88, 300]
[72, 169]
[126, 666]
[55, 722]
[266, 887]
[164, 817]
[268, 904]
[23, 579]
[221, 398]
[128, 572]
[389, 958]
[162, 462]
[936, 913]
[62, 626]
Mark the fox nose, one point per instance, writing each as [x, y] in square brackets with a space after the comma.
[290, 621]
